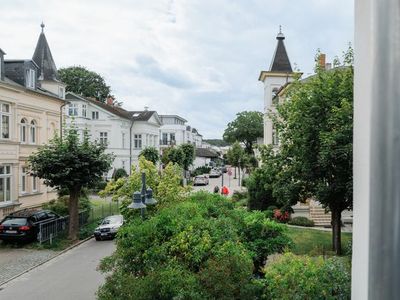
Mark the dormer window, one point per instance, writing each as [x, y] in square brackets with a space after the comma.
[61, 92]
[30, 78]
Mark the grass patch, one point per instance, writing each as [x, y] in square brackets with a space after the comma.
[315, 242]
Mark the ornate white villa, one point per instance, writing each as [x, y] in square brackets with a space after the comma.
[30, 100]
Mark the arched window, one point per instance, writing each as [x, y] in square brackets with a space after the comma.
[33, 132]
[23, 130]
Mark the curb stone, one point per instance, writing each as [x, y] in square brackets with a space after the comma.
[45, 261]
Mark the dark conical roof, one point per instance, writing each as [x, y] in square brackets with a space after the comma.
[280, 61]
[43, 58]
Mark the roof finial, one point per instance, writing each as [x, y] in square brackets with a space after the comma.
[42, 25]
[280, 35]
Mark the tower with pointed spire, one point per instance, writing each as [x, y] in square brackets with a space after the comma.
[48, 74]
[279, 75]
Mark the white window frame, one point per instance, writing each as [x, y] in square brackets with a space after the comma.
[35, 184]
[95, 115]
[73, 109]
[30, 78]
[84, 110]
[6, 176]
[4, 115]
[33, 132]
[23, 131]
[103, 138]
[61, 92]
[24, 181]
[137, 141]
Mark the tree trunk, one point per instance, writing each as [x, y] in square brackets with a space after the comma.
[73, 228]
[235, 174]
[336, 222]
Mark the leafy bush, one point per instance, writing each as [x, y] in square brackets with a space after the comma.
[150, 154]
[60, 205]
[238, 195]
[119, 173]
[302, 277]
[301, 221]
[200, 247]
[281, 216]
[259, 188]
[201, 170]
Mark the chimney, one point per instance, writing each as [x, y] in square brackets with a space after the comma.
[321, 61]
[110, 101]
[2, 70]
[146, 108]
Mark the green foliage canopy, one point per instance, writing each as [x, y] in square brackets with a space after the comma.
[246, 128]
[150, 154]
[201, 248]
[71, 164]
[84, 82]
[315, 127]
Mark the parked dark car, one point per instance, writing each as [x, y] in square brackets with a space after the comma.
[23, 225]
[108, 228]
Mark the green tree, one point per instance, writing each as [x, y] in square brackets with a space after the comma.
[183, 155]
[71, 164]
[246, 128]
[234, 155]
[260, 184]
[84, 82]
[315, 128]
[188, 155]
[150, 154]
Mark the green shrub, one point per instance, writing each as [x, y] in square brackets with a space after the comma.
[238, 195]
[201, 170]
[202, 247]
[150, 154]
[301, 221]
[263, 237]
[260, 191]
[303, 277]
[119, 173]
[60, 205]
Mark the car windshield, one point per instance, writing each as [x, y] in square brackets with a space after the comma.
[112, 220]
[14, 221]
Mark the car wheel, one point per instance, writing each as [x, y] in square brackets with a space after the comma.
[98, 238]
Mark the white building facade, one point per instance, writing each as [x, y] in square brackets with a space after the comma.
[274, 80]
[125, 133]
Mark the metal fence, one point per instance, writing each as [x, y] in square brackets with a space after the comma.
[53, 228]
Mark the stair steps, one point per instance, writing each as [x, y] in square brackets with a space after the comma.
[320, 218]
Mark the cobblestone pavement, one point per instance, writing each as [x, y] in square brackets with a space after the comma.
[14, 261]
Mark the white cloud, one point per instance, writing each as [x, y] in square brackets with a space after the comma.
[199, 58]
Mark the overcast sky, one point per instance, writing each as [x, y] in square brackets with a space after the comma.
[199, 59]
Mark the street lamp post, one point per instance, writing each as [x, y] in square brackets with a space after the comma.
[239, 171]
[140, 200]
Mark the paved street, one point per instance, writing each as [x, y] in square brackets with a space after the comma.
[72, 275]
[232, 184]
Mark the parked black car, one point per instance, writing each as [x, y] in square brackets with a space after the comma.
[23, 225]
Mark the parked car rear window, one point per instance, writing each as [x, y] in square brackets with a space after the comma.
[14, 221]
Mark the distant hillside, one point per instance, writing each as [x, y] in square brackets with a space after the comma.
[217, 142]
